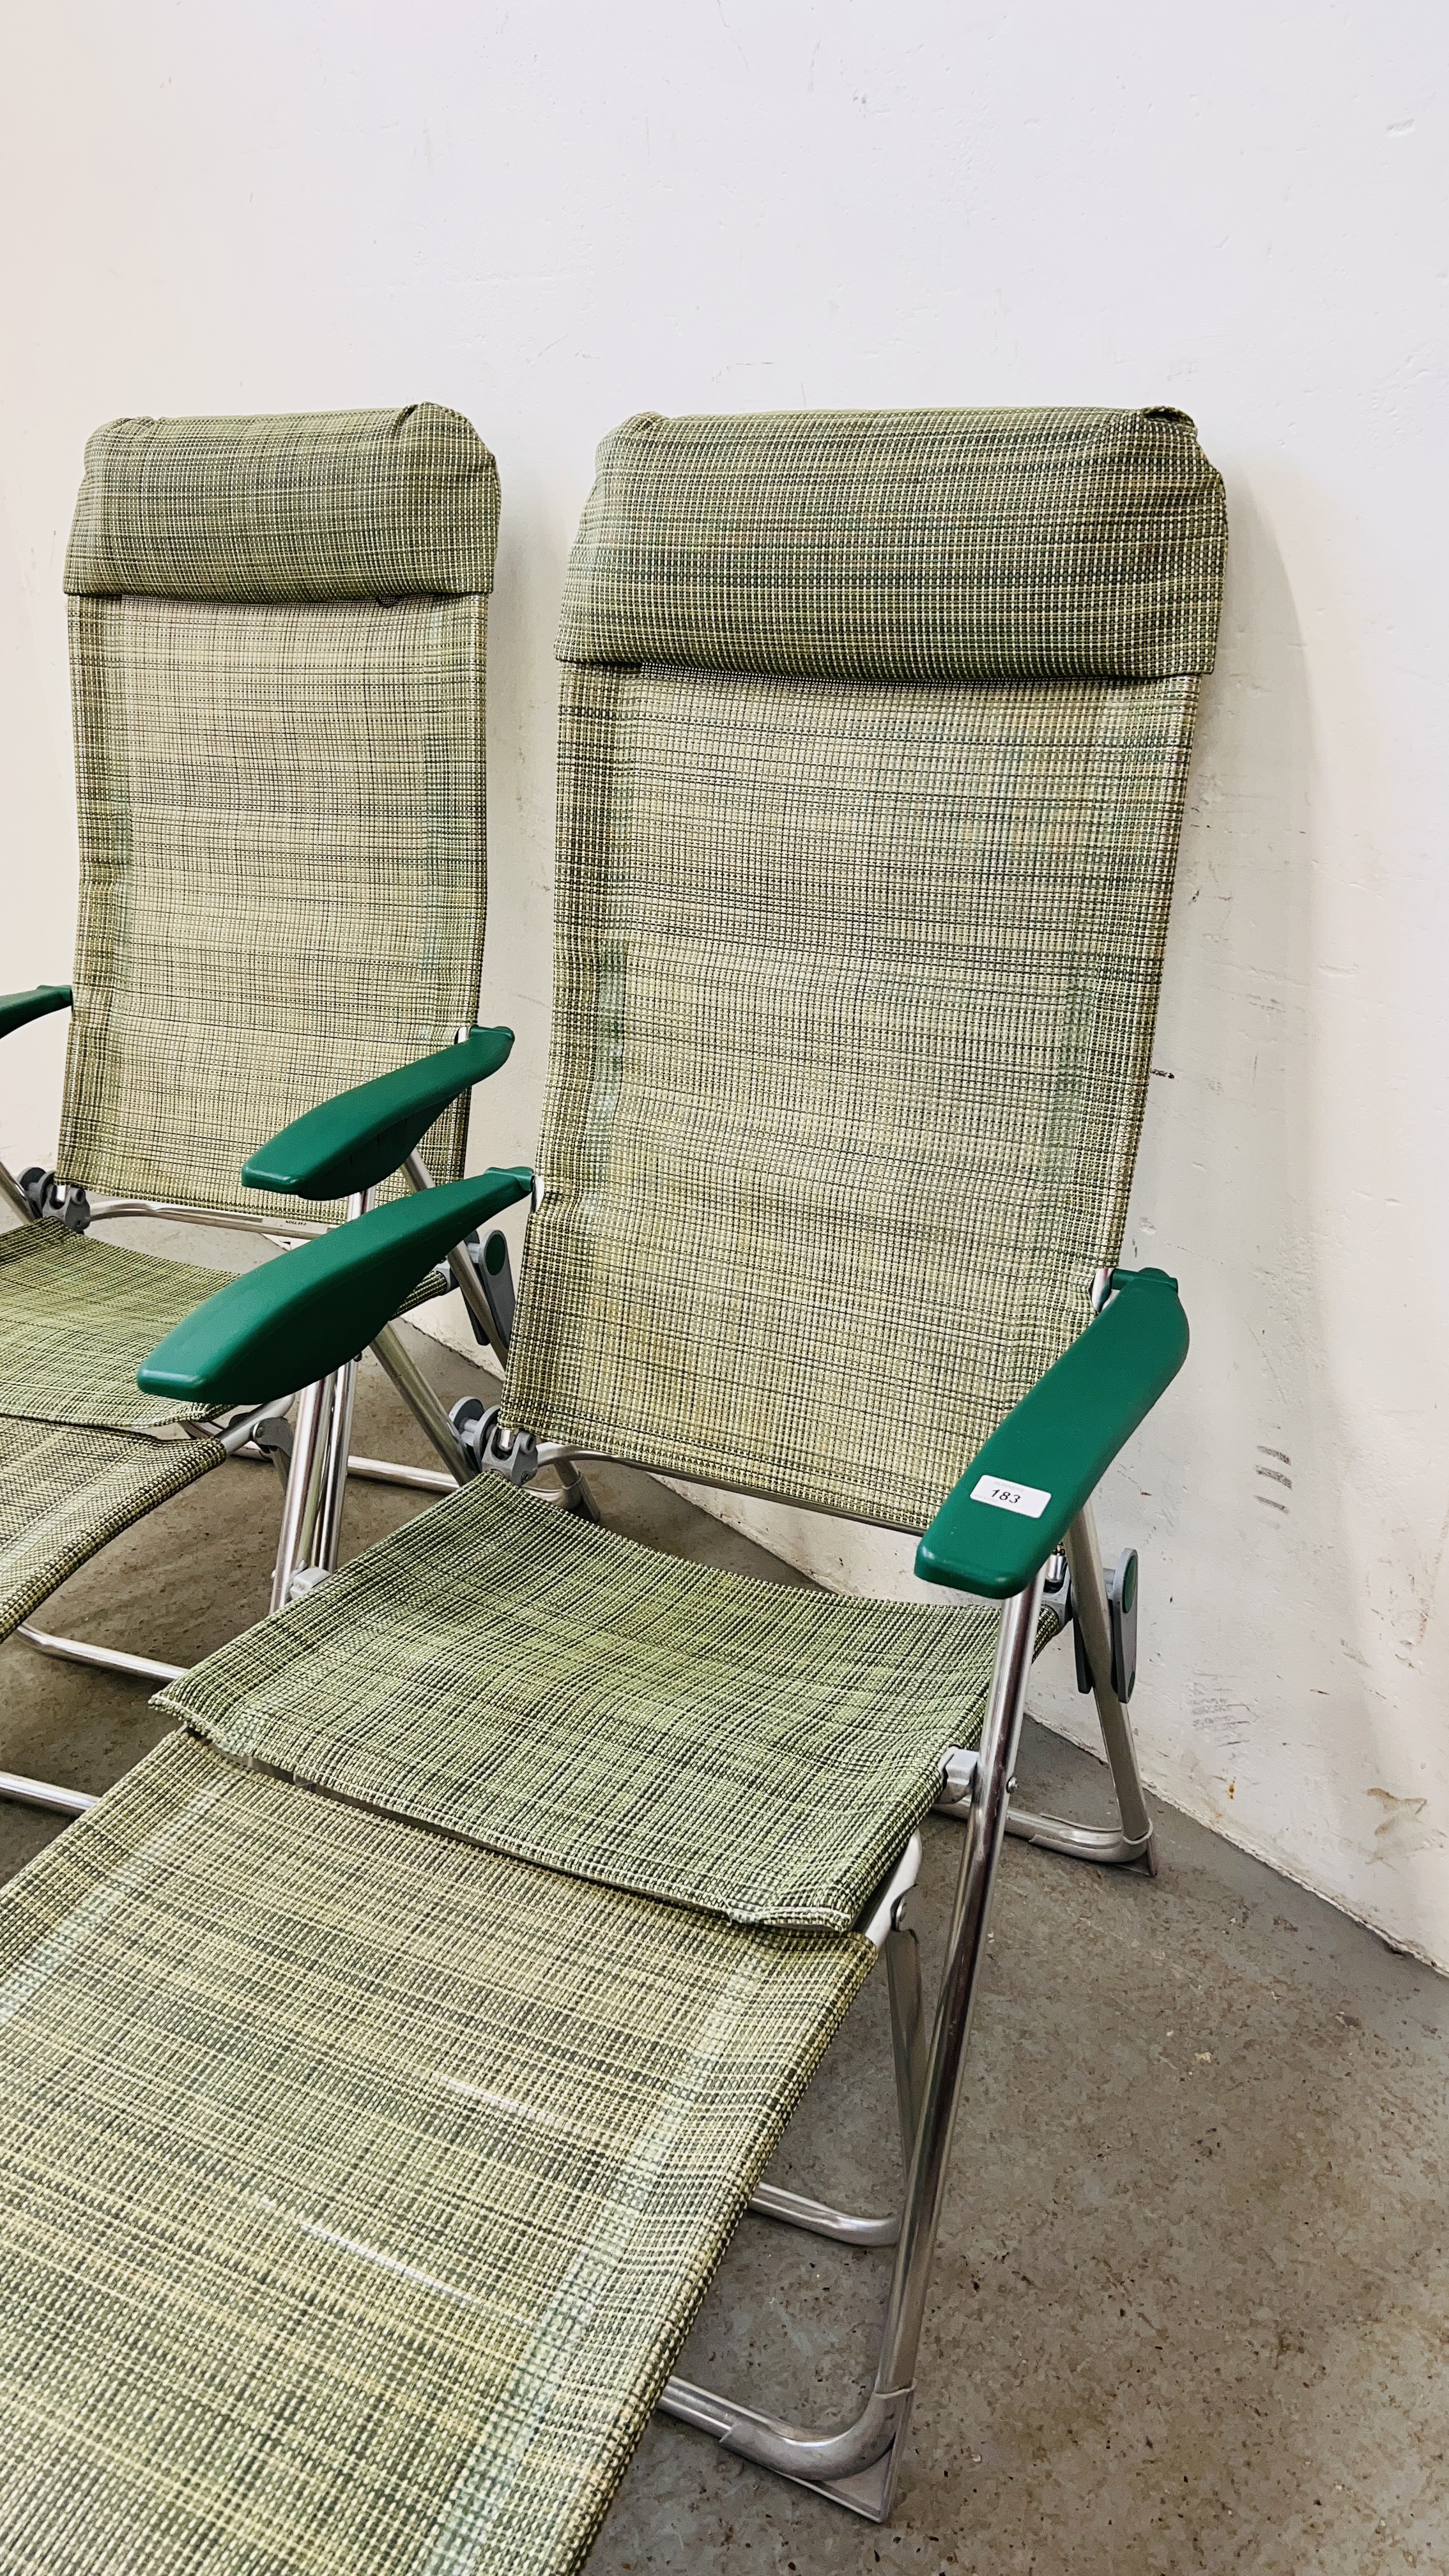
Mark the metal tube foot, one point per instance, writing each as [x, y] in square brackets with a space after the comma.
[387, 1471]
[792, 2209]
[379, 1471]
[855, 2468]
[1107, 1845]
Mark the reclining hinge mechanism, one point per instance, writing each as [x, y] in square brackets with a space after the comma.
[63, 1203]
[492, 1450]
[1120, 1581]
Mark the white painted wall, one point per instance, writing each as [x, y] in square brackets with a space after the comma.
[554, 215]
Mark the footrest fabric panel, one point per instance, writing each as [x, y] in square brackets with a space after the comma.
[560, 1693]
[360, 2185]
[65, 1493]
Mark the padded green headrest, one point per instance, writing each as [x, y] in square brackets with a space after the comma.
[903, 545]
[300, 506]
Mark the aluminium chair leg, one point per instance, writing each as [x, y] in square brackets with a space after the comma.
[909, 2042]
[908, 2046]
[106, 1659]
[374, 1471]
[334, 1474]
[299, 1509]
[577, 1499]
[857, 2466]
[1132, 1839]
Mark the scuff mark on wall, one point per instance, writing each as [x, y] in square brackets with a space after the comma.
[1402, 1829]
[1226, 1722]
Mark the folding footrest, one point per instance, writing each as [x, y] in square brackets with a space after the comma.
[361, 2185]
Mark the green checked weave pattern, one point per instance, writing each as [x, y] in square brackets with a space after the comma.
[64, 1493]
[282, 875]
[903, 545]
[299, 506]
[77, 1318]
[78, 1315]
[360, 2187]
[873, 752]
[854, 999]
[560, 1694]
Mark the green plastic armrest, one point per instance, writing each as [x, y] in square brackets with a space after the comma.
[18, 1008]
[280, 1327]
[356, 1140]
[1012, 1508]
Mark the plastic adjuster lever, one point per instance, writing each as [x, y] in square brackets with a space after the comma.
[1120, 1584]
[493, 1270]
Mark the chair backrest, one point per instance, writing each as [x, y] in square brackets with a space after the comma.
[873, 752]
[277, 635]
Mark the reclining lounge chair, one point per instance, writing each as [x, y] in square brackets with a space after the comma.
[277, 636]
[386, 2062]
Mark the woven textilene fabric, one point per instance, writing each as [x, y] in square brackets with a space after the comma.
[555, 1691]
[282, 875]
[854, 999]
[64, 1493]
[77, 1318]
[359, 2187]
[306, 506]
[905, 545]
[79, 1315]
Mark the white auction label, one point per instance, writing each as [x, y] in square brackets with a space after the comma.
[1029, 1500]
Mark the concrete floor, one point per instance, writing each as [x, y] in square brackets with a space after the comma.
[1191, 2307]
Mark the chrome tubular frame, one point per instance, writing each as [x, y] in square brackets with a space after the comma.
[111, 1659]
[334, 1473]
[321, 1463]
[375, 1471]
[387, 1471]
[291, 1229]
[857, 2466]
[106, 1659]
[299, 1507]
[326, 1535]
[1132, 1840]
[887, 1930]
[40, 1793]
[421, 1402]
[14, 1196]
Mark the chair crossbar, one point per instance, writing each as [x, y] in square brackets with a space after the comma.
[43, 1793]
[377, 1471]
[109, 1659]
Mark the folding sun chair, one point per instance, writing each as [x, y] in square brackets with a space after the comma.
[385, 2064]
[277, 640]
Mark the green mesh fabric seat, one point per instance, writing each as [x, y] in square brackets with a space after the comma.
[385, 2064]
[277, 633]
[64, 1493]
[74, 1315]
